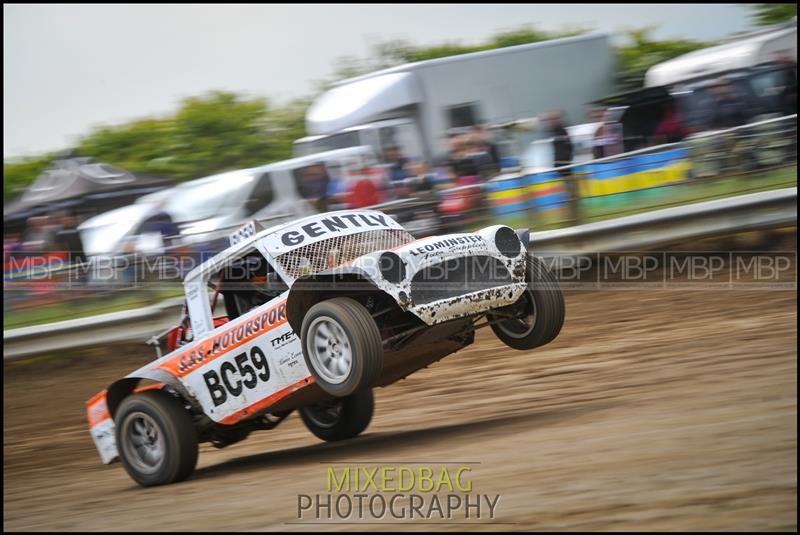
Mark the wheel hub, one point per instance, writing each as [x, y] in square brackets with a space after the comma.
[142, 442]
[329, 349]
[524, 317]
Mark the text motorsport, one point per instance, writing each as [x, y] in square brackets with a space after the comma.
[396, 493]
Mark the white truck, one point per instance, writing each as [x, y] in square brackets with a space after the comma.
[412, 106]
[772, 44]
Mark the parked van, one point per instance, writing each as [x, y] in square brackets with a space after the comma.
[206, 209]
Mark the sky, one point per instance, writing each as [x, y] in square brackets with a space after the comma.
[69, 68]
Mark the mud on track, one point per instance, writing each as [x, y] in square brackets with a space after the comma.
[654, 409]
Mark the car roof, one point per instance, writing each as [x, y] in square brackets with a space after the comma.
[313, 158]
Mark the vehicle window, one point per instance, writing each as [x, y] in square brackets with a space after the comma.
[696, 107]
[463, 115]
[246, 283]
[404, 136]
[261, 195]
[193, 202]
[388, 137]
[342, 140]
[768, 87]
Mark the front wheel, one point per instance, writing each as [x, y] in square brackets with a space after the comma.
[340, 419]
[156, 440]
[342, 346]
[537, 316]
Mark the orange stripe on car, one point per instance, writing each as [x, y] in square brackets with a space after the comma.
[141, 389]
[202, 353]
[266, 402]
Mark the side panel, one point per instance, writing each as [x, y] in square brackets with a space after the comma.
[519, 83]
[199, 307]
[251, 376]
[243, 366]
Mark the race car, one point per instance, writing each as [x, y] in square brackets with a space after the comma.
[317, 313]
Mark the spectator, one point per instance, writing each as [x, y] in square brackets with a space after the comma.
[464, 163]
[483, 136]
[608, 140]
[562, 156]
[420, 178]
[337, 187]
[729, 109]
[314, 186]
[670, 129]
[444, 159]
[40, 234]
[68, 239]
[365, 192]
[789, 91]
[562, 144]
[397, 163]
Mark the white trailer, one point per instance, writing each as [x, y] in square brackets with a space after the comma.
[770, 45]
[412, 106]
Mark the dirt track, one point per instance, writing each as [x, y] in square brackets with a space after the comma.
[654, 410]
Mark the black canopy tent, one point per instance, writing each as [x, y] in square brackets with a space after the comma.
[80, 186]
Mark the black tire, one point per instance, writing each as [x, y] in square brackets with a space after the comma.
[363, 341]
[341, 418]
[178, 438]
[543, 297]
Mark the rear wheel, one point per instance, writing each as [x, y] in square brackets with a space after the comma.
[537, 316]
[156, 441]
[340, 419]
[342, 346]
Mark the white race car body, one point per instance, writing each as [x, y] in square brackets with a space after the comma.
[240, 369]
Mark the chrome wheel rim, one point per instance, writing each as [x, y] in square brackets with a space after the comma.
[143, 442]
[329, 350]
[520, 326]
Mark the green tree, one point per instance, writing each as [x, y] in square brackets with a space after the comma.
[765, 14]
[140, 146]
[220, 131]
[214, 132]
[286, 124]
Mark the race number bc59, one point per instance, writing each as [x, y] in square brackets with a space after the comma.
[246, 370]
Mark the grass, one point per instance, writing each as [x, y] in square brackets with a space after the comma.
[82, 306]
